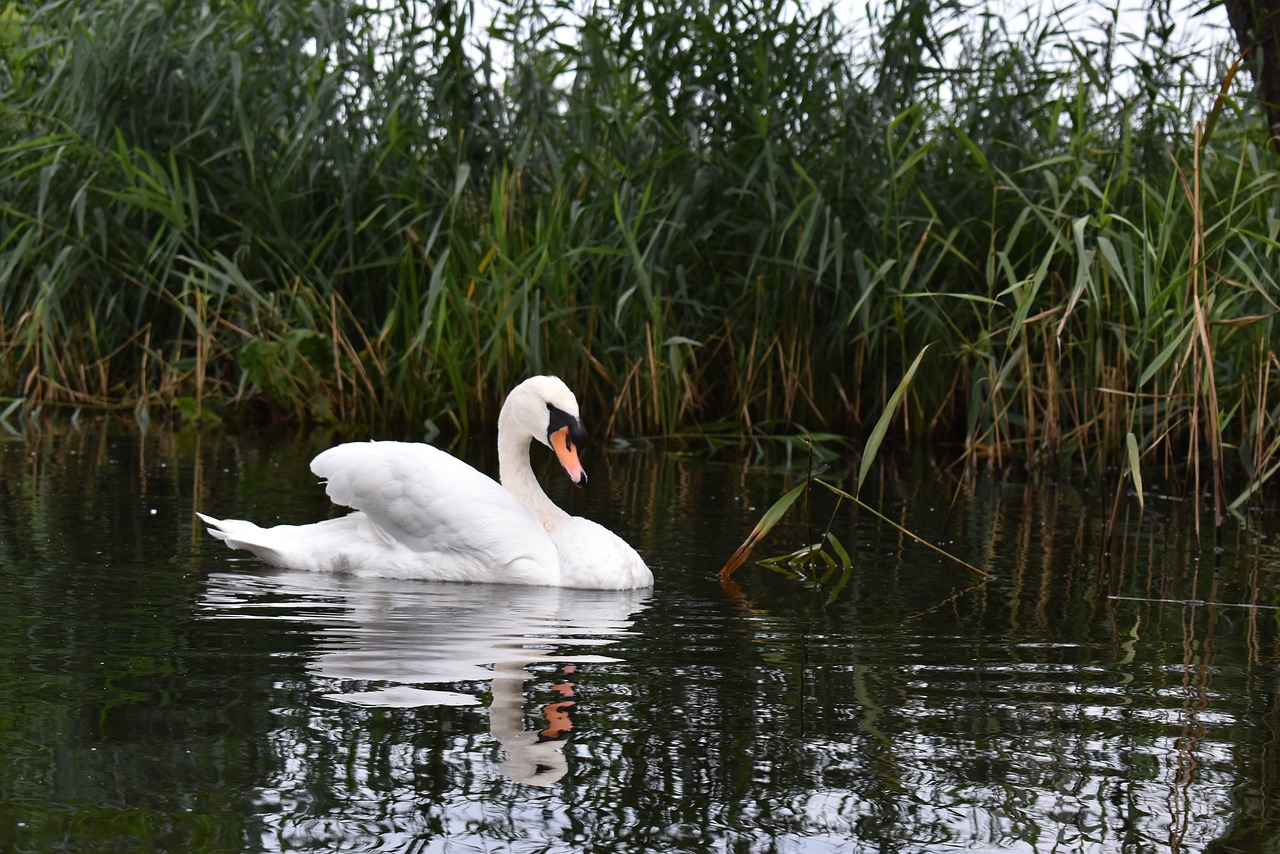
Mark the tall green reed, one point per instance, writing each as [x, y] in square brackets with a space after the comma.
[742, 215]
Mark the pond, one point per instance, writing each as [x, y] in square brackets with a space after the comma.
[160, 692]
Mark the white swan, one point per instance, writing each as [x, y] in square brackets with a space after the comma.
[421, 513]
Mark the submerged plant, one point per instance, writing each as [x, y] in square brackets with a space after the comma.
[826, 561]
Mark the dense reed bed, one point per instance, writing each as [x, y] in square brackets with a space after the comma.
[730, 219]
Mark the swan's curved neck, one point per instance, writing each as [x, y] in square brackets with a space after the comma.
[517, 475]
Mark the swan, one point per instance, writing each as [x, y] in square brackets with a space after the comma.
[424, 514]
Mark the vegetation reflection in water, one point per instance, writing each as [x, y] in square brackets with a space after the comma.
[157, 692]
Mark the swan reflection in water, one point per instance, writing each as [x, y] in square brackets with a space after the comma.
[403, 635]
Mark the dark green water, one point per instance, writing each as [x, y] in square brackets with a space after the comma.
[159, 692]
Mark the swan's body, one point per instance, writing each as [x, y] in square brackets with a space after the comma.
[421, 513]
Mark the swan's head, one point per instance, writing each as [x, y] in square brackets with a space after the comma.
[544, 408]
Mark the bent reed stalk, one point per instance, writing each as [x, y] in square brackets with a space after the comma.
[737, 215]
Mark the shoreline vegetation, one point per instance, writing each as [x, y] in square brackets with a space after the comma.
[731, 221]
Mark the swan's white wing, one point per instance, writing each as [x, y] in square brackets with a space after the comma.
[422, 499]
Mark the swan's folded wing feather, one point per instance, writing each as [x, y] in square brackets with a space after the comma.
[428, 500]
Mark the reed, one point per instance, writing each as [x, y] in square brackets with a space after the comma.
[742, 215]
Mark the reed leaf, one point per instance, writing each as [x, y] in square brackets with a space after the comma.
[872, 446]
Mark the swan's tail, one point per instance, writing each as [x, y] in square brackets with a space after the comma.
[240, 534]
[346, 543]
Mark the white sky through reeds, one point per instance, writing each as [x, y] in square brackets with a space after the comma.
[1198, 27]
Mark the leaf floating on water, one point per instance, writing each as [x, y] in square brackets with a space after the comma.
[843, 560]
[841, 552]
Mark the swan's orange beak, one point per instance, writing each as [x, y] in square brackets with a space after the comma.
[567, 454]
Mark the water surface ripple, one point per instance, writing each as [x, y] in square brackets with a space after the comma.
[160, 692]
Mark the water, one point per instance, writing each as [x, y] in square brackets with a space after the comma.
[159, 692]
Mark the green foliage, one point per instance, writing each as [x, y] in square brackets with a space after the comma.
[290, 368]
[821, 560]
[695, 215]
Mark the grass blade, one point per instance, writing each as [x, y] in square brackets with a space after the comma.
[881, 427]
